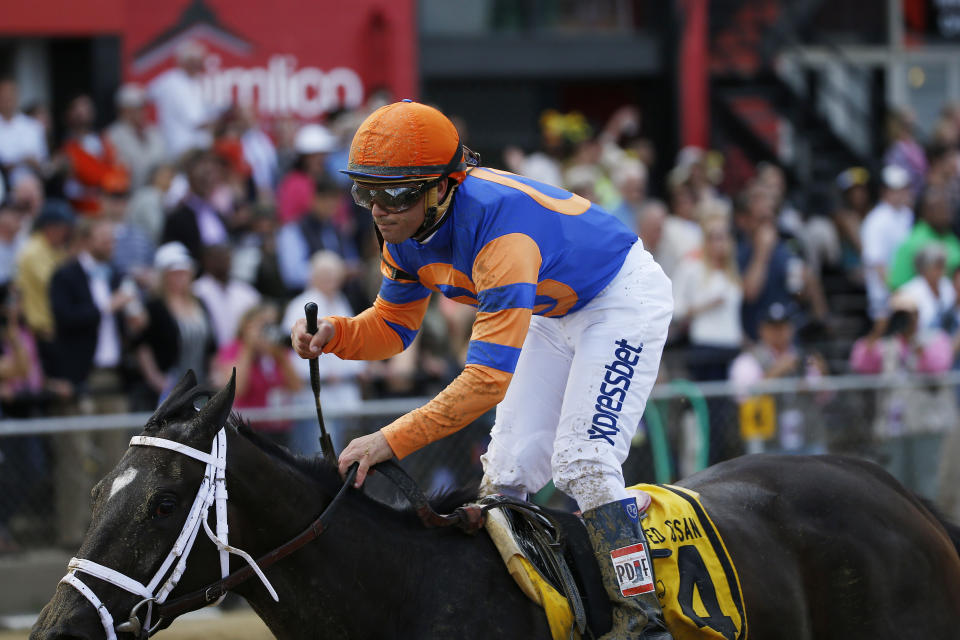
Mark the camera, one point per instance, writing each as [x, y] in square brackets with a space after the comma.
[277, 335]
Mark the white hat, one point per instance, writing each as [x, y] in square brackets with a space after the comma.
[314, 138]
[689, 155]
[131, 95]
[895, 177]
[173, 256]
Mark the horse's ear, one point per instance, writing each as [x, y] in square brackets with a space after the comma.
[213, 415]
[187, 382]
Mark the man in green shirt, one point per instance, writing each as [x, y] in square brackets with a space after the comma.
[933, 227]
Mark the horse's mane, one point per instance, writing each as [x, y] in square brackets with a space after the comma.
[328, 476]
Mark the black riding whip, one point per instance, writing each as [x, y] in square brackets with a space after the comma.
[326, 444]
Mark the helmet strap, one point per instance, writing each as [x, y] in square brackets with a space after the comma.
[435, 212]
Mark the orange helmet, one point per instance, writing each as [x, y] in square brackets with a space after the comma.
[407, 141]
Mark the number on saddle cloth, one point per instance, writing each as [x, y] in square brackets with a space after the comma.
[697, 583]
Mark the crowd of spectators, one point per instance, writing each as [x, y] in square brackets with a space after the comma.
[192, 240]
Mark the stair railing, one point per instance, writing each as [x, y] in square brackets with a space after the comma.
[842, 92]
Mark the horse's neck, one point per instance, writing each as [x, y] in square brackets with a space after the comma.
[318, 585]
[371, 571]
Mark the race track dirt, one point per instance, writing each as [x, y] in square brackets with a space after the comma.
[238, 625]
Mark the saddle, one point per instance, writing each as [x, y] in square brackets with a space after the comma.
[551, 559]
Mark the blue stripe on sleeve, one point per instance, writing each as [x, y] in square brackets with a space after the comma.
[496, 356]
[451, 291]
[402, 292]
[406, 335]
[519, 295]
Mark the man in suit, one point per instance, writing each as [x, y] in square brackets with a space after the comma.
[196, 223]
[87, 301]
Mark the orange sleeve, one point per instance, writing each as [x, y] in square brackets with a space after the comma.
[470, 395]
[382, 331]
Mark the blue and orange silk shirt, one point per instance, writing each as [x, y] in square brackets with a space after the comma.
[511, 247]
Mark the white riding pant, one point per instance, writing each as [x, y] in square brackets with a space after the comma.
[579, 390]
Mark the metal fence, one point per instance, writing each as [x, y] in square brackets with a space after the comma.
[47, 466]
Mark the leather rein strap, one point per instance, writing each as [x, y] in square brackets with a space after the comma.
[210, 594]
[469, 518]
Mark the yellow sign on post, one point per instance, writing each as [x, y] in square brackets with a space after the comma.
[758, 418]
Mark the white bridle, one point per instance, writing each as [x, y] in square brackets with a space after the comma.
[213, 489]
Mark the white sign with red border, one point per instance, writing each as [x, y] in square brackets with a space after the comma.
[633, 570]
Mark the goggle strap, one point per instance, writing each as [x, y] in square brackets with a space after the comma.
[436, 215]
[395, 273]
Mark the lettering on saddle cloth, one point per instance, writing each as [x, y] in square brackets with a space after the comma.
[613, 392]
[696, 582]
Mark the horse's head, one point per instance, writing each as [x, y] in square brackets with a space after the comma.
[140, 511]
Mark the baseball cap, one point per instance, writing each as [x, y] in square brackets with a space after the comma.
[314, 138]
[895, 177]
[902, 301]
[173, 256]
[853, 177]
[55, 211]
[131, 95]
[777, 312]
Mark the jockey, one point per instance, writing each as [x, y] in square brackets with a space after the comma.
[547, 271]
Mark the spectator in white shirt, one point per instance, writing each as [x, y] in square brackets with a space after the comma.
[182, 112]
[22, 139]
[225, 297]
[707, 298]
[930, 289]
[138, 144]
[259, 152]
[884, 228]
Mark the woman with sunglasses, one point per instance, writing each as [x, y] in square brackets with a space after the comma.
[547, 271]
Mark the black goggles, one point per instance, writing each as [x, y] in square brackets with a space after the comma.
[390, 199]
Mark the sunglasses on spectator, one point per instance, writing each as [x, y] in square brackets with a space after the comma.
[390, 199]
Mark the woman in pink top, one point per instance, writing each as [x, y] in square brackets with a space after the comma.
[896, 348]
[265, 373]
[295, 194]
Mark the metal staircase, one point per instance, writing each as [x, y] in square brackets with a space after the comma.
[771, 102]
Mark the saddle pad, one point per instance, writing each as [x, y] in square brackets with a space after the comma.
[697, 584]
[530, 581]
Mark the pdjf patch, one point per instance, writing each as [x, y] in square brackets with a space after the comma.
[632, 569]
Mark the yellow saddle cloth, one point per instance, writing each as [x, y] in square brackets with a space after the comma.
[697, 584]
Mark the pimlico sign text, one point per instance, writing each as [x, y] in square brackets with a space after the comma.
[282, 88]
[285, 57]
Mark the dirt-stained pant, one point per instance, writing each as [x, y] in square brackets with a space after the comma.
[579, 390]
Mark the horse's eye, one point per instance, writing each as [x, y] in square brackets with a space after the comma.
[165, 507]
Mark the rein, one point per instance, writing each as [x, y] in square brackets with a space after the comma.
[209, 594]
[468, 518]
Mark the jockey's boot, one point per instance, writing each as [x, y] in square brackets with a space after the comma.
[627, 569]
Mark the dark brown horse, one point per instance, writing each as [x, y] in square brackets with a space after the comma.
[827, 548]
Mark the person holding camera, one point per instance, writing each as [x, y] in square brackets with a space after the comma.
[265, 373]
[899, 345]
